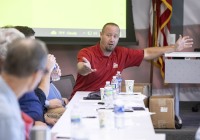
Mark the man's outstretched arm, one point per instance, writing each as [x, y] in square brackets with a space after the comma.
[154, 52]
[84, 67]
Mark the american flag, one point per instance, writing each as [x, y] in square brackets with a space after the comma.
[160, 15]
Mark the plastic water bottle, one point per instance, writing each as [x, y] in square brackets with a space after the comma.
[115, 85]
[119, 114]
[119, 78]
[102, 94]
[108, 95]
[55, 75]
[75, 119]
[107, 83]
[77, 128]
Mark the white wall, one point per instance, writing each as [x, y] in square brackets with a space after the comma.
[141, 13]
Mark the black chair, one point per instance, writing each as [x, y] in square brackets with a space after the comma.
[65, 85]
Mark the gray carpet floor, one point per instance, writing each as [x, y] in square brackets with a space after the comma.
[191, 122]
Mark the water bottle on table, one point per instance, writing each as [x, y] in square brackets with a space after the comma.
[75, 117]
[119, 78]
[77, 128]
[102, 94]
[115, 85]
[108, 95]
[119, 114]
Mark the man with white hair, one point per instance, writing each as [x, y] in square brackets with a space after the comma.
[7, 36]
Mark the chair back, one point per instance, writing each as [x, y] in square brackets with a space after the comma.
[65, 85]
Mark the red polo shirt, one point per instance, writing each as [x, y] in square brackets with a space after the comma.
[106, 66]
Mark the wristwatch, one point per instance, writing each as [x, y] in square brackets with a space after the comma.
[46, 104]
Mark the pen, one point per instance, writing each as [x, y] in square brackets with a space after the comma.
[101, 103]
[62, 137]
[104, 108]
[90, 117]
[128, 111]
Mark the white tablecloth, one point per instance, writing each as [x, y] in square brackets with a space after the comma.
[137, 126]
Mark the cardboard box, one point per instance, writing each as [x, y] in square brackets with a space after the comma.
[144, 88]
[163, 106]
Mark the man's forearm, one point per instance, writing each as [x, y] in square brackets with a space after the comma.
[45, 84]
[154, 52]
[82, 70]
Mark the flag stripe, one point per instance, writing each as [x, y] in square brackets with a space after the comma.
[163, 16]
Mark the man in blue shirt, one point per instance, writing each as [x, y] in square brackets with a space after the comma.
[43, 98]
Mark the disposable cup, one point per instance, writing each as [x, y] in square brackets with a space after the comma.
[105, 117]
[102, 94]
[129, 84]
[102, 118]
[40, 133]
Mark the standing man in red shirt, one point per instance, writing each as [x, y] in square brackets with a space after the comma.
[97, 64]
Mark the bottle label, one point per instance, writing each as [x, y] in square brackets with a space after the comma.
[108, 91]
[119, 80]
[75, 119]
[114, 85]
[119, 109]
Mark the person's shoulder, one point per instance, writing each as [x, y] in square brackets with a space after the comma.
[5, 111]
[90, 48]
[128, 49]
[121, 49]
[28, 95]
[3, 100]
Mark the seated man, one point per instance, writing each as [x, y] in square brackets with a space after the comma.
[15, 80]
[35, 103]
[54, 92]
[7, 36]
[55, 110]
[54, 104]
